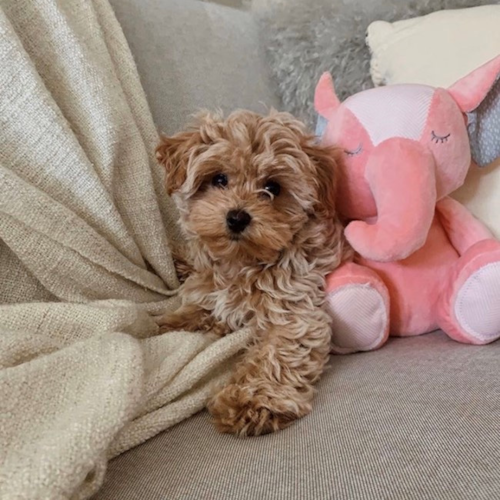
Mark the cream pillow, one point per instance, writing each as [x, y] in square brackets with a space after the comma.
[438, 49]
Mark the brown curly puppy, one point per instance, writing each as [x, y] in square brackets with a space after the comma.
[256, 198]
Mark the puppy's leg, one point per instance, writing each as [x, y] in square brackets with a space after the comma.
[273, 385]
[182, 266]
[191, 318]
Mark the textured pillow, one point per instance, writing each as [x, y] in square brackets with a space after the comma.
[437, 50]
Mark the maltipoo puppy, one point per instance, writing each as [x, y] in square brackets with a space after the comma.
[256, 196]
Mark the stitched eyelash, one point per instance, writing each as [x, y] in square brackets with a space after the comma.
[355, 152]
[439, 139]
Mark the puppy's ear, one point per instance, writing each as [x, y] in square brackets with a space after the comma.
[174, 154]
[324, 160]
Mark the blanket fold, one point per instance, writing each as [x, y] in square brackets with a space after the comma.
[85, 232]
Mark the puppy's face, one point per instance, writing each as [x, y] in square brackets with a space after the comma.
[246, 186]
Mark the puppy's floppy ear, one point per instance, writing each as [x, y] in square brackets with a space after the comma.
[174, 154]
[324, 160]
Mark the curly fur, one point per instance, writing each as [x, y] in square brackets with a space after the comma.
[272, 277]
[304, 38]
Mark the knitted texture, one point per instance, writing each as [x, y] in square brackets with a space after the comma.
[85, 229]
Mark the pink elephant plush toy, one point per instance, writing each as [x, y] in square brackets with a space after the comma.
[422, 260]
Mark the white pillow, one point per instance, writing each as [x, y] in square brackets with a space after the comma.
[438, 49]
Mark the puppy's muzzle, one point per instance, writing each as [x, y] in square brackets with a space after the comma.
[238, 220]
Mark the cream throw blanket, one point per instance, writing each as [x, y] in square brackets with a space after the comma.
[84, 260]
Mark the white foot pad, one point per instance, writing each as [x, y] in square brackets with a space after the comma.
[359, 318]
[477, 306]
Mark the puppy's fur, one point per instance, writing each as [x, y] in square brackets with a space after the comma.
[270, 276]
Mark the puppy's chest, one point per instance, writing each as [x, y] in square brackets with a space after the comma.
[257, 299]
[232, 306]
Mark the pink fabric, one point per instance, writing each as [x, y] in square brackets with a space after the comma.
[475, 306]
[388, 184]
[461, 227]
[446, 137]
[402, 100]
[469, 91]
[477, 259]
[416, 283]
[431, 263]
[357, 292]
[325, 99]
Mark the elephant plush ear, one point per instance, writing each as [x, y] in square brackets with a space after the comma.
[325, 102]
[478, 95]
[325, 98]
[471, 90]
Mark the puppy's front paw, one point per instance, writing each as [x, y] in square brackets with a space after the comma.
[183, 269]
[191, 319]
[247, 411]
[170, 322]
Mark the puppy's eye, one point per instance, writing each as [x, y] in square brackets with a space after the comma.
[219, 180]
[272, 187]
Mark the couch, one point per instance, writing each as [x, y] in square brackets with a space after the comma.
[418, 419]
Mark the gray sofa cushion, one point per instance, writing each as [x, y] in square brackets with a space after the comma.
[193, 55]
[418, 419]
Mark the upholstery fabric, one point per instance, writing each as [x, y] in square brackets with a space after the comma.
[417, 420]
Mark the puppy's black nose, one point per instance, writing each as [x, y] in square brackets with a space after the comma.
[238, 220]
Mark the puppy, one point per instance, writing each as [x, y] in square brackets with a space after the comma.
[256, 197]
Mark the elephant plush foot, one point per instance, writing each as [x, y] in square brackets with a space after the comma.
[358, 303]
[471, 307]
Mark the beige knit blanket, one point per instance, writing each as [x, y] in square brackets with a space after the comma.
[85, 229]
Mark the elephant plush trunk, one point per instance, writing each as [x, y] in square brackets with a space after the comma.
[401, 175]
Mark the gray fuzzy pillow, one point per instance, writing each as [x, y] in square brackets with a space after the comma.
[304, 38]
